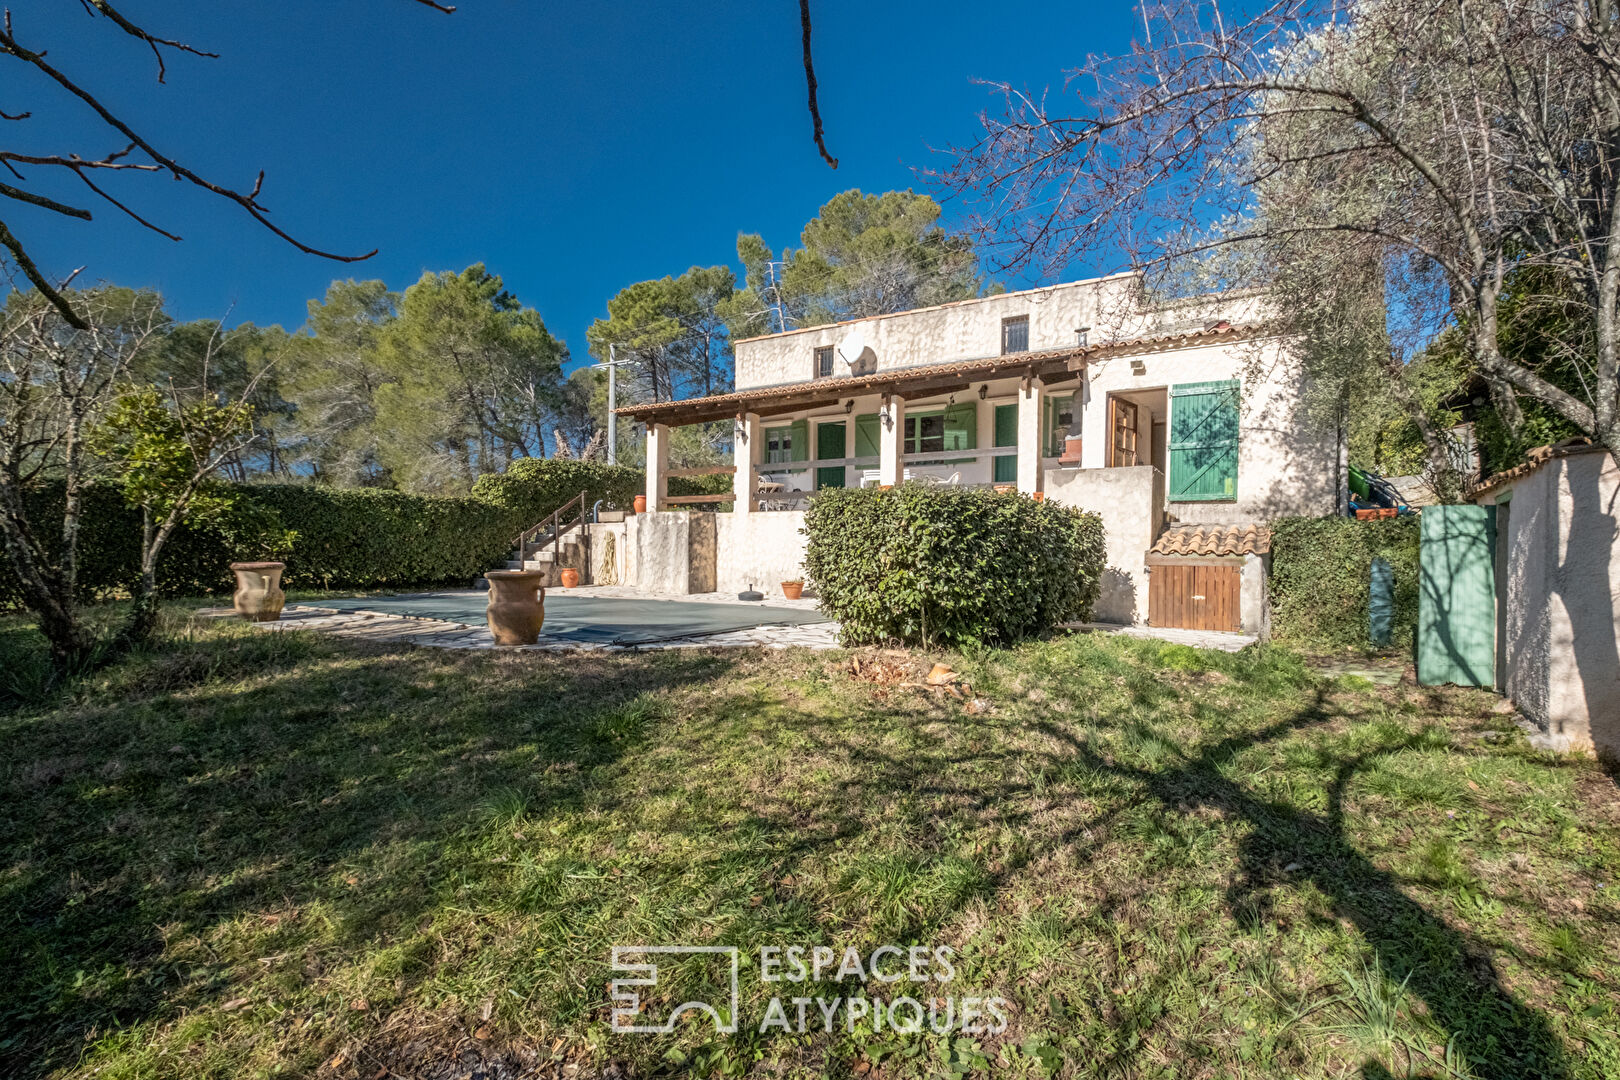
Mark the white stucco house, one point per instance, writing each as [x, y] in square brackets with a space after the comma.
[1181, 424]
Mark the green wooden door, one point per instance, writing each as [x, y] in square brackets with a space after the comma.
[1456, 641]
[1005, 467]
[829, 446]
[1204, 441]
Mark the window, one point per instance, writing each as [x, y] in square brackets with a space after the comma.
[1059, 414]
[778, 445]
[925, 434]
[1015, 334]
[824, 362]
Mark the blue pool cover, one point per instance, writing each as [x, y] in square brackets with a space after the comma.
[602, 620]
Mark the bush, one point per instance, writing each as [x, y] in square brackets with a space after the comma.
[531, 488]
[347, 538]
[1321, 574]
[920, 564]
[361, 538]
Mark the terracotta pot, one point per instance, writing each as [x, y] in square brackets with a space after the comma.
[1004, 489]
[517, 605]
[570, 577]
[258, 595]
[1039, 496]
[792, 589]
[640, 504]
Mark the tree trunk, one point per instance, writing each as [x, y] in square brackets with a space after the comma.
[46, 591]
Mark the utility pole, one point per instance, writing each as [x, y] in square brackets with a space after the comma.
[612, 366]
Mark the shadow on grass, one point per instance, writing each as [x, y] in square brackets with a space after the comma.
[1497, 1033]
[254, 776]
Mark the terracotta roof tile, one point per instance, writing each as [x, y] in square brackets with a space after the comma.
[1537, 458]
[1213, 540]
[847, 385]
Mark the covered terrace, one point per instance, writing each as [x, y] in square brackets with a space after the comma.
[996, 421]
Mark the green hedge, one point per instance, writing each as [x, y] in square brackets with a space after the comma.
[919, 564]
[530, 489]
[1321, 574]
[347, 538]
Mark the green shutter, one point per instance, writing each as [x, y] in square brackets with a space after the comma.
[1203, 441]
[801, 440]
[1006, 425]
[868, 440]
[829, 441]
[962, 427]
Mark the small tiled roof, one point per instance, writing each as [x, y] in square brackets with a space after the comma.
[1537, 458]
[1213, 540]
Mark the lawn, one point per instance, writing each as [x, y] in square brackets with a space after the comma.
[248, 854]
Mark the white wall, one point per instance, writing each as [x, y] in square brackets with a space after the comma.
[761, 550]
[1560, 617]
[970, 329]
[1285, 467]
[1126, 499]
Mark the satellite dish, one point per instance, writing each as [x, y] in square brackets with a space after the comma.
[853, 345]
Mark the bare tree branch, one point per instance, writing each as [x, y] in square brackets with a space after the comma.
[810, 81]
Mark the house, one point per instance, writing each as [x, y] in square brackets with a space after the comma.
[1557, 566]
[1181, 424]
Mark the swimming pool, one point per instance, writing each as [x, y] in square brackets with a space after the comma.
[601, 620]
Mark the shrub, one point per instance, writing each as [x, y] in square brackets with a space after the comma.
[921, 564]
[362, 538]
[531, 488]
[1321, 573]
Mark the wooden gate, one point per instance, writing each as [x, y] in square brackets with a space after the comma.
[1195, 594]
[1456, 638]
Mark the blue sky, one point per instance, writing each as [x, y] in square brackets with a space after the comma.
[574, 148]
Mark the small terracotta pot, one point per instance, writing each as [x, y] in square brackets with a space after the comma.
[792, 589]
[1039, 496]
[517, 605]
[639, 504]
[258, 596]
[570, 577]
[1004, 489]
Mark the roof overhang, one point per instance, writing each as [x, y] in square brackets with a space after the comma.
[1051, 366]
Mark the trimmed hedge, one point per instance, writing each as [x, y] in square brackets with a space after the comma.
[346, 538]
[1321, 573]
[531, 488]
[926, 565]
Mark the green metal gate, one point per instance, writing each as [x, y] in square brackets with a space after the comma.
[1456, 640]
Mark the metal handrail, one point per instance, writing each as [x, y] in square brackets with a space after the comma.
[554, 523]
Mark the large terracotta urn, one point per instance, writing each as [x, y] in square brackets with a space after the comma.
[517, 605]
[258, 596]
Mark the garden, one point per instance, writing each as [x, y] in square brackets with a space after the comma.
[236, 853]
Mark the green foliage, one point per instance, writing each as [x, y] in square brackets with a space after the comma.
[371, 539]
[530, 489]
[1321, 574]
[862, 255]
[923, 564]
[162, 458]
[330, 537]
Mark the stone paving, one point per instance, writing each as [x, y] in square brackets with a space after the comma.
[441, 634]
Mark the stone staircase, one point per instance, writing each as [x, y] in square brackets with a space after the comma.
[570, 551]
